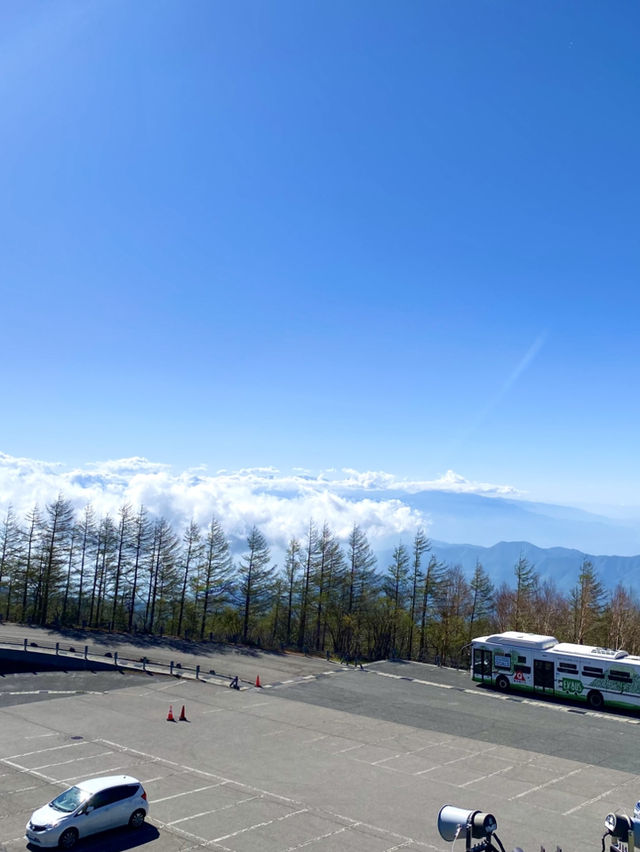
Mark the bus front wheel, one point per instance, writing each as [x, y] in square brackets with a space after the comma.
[595, 700]
[502, 683]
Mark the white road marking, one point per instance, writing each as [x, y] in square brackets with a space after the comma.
[214, 810]
[589, 802]
[74, 760]
[43, 750]
[187, 792]
[549, 783]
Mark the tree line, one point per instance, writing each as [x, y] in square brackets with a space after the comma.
[135, 572]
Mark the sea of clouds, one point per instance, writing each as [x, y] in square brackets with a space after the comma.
[280, 504]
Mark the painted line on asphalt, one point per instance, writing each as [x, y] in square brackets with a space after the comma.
[494, 696]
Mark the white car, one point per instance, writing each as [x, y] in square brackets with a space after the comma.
[91, 806]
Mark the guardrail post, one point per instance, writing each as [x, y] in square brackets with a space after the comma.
[25, 644]
[144, 664]
[171, 667]
[197, 672]
[115, 659]
[86, 652]
[57, 648]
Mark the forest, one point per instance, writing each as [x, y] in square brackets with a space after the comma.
[135, 572]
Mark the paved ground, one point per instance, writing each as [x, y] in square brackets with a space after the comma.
[324, 759]
[228, 661]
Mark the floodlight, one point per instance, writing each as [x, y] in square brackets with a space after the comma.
[452, 821]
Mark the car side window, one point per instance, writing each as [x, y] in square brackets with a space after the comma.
[99, 800]
[116, 794]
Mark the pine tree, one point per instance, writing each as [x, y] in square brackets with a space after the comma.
[396, 588]
[141, 538]
[214, 586]
[191, 552]
[587, 600]
[86, 534]
[482, 600]
[162, 574]
[453, 603]
[421, 545]
[10, 540]
[526, 584]
[126, 533]
[256, 576]
[57, 534]
[329, 575]
[32, 564]
[292, 566]
[310, 564]
[362, 562]
[431, 581]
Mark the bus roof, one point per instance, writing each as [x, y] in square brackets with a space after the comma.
[589, 650]
[520, 640]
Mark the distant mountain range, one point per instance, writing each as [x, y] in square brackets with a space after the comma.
[456, 517]
[465, 528]
[561, 564]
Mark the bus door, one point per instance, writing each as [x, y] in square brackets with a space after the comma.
[543, 675]
[482, 664]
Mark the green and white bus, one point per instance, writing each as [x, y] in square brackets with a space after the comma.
[541, 665]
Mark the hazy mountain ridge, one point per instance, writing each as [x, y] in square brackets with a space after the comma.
[487, 520]
[560, 564]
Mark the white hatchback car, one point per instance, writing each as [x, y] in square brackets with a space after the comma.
[91, 806]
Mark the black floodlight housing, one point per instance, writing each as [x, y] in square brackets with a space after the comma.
[618, 826]
[476, 825]
[623, 830]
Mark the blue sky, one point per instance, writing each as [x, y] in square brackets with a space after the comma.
[383, 236]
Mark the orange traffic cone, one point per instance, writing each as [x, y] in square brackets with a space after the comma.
[258, 681]
[170, 714]
[183, 715]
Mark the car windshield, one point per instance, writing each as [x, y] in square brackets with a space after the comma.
[69, 800]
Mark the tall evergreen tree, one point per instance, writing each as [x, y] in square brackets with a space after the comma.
[453, 603]
[10, 541]
[329, 575]
[86, 534]
[256, 576]
[105, 559]
[430, 584]
[214, 587]
[142, 534]
[32, 563]
[192, 548]
[482, 601]
[396, 588]
[292, 566]
[310, 564]
[58, 529]
[421, 545]
[587, 601]
[162, 574]
[526, 584]
[362, 563]
[124, 546]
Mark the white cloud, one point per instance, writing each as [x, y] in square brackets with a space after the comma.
[281, 504]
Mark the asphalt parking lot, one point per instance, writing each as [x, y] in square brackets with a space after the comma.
[328, 760]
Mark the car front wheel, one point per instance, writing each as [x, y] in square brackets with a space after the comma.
[68, 838]
[136, 819]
